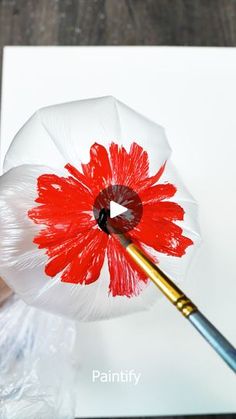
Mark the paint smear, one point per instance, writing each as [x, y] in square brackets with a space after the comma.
[74, 243]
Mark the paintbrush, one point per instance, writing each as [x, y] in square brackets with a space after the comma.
[174, 294]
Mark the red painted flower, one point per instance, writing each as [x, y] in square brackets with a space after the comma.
[74, 243]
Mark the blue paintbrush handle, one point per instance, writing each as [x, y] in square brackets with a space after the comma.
[180, 300]
[221, 345]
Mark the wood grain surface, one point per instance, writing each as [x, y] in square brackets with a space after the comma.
[119, 22]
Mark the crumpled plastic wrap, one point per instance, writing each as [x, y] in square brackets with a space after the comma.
[82, 136]
[37, 363]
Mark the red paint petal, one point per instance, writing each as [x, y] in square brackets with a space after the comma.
[65, 251]
[98, 170]
[125, 277]
[146, 183]
[64, 192]
[74, 251]
[163, 235]
[58, 232]
[162, 210]
[68, 229]
[157, 193]
[128, 168]
[60, 216]
[79, 176]
[132, 168]
[85, 268]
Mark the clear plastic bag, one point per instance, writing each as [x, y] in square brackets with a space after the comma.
[62, 148]
[37, 363]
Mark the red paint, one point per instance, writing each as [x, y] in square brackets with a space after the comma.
[74, 243]
[125, 277]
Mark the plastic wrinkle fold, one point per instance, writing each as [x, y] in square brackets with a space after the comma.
[37, 363]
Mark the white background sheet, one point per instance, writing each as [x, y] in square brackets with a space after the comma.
[192, 93]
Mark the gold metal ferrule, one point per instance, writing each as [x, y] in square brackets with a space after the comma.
[162, 281]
